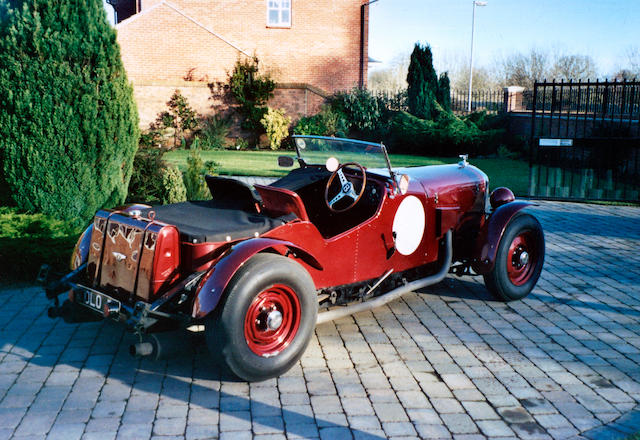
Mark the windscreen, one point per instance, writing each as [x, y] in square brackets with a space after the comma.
[315, 150]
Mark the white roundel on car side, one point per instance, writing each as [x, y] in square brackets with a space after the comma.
[408, 225]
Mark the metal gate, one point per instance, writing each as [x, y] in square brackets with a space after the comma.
[585, 141]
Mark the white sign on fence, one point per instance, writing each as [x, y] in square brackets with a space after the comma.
[555, 142]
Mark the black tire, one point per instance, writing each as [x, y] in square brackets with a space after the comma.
[510, 279]
[231, 330]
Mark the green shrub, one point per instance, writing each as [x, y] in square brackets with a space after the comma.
[325, 123]
[504, 153]
[213, 133]
[179, 117]
[359, 108]
[68, 121]
[146, 184]
[195, 185]
[29, 240]
[240, 144]
[448, 135]
[152, 138]
[251, 91]
[173, 187]
[276, 124]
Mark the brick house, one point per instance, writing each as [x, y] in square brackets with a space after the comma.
[311, 49]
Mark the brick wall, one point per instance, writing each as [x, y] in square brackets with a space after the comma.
[297, 100]
[168, 42]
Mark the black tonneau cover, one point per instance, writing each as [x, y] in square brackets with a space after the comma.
[211, 221]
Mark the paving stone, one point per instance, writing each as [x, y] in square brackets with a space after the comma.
[134, 431]
[397, 429]
[335, 433]
[433, 431]
[390, 412]
[35, 424]
[235, 421]
[459, 423]
[565, 432]
[173, 426]
[446, 362]
[480, 410]
[103, 424]
[267, 425]
[326, 404]
[103, 435]
[236, 435]
[66, 431]
[11, 417]
[447, 406]
[530, 430]
[494, 428]
[424, 416]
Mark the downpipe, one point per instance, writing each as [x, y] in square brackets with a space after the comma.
[394, 294]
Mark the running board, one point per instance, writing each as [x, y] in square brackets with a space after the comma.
[341, 312]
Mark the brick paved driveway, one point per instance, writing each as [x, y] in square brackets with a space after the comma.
[449, 361]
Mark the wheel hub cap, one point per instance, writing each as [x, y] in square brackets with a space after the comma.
[274, 320]
[523, 257]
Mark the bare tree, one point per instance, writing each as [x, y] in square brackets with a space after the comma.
[392, 78]
[524, 69]
[633, 60]
[573, 67]
[483, 78]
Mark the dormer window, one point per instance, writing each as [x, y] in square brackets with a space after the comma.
[279, 13]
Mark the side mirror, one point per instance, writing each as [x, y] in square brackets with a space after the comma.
[285, 161]
[402, 182]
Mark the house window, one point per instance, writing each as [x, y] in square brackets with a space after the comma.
[279, 13]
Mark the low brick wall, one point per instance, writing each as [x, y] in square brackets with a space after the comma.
[297, 99]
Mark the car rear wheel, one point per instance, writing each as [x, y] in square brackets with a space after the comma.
[519, 259]
[267, 318]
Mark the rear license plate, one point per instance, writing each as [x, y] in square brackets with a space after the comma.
[94, 300]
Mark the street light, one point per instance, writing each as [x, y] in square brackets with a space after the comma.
[473, 19]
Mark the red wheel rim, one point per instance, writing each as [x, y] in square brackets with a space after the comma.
[272, 320]
[522, 258]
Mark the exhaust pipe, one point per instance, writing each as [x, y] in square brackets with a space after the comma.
[161, 345]
[395, 293]
[141, 349]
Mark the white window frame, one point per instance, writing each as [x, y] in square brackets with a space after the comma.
[279, 5]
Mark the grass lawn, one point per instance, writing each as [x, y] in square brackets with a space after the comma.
[502, 172]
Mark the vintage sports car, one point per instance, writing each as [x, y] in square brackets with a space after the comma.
[260, 266]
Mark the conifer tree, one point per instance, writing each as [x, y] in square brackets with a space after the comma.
[68, 122]
[424, 89]
[444, 91]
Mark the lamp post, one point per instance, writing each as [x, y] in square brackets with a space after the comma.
[473, 19]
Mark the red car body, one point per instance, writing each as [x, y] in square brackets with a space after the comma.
[155, 269]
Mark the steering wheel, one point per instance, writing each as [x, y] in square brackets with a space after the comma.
[346, 188]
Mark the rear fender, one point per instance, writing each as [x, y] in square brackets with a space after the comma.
[213, 284]
[491, 233]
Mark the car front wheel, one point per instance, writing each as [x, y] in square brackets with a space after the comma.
[267, 318]
[519, 259]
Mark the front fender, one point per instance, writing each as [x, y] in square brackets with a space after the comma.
[215, 281]
[491, 233]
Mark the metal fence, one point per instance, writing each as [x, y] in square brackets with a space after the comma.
[491, 101]
[585, 140]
